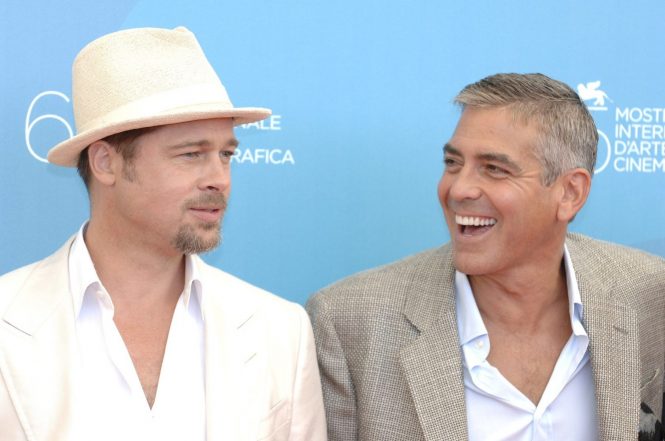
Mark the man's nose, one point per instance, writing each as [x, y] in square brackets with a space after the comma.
[465, 184]
[216, 174]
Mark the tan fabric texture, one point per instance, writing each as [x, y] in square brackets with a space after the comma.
[391, 363]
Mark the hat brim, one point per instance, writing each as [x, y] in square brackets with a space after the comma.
[67, 152]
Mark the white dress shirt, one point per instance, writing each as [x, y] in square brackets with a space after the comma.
[113, 404]
[497, 410]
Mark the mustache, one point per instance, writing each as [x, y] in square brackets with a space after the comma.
[217, 200]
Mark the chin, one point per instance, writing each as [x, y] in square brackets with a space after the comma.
[472, 265]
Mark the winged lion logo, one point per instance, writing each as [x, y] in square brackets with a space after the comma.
[591, 91]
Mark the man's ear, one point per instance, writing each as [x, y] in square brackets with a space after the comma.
[103, 159]
[575, 185]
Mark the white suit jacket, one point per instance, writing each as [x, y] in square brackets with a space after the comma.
[262, 381]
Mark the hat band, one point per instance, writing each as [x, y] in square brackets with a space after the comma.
[161, 103]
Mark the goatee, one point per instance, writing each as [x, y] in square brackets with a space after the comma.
[186, 240]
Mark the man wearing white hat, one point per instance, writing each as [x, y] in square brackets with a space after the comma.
[124, 333]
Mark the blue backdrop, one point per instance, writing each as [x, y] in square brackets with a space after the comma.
[343, 177]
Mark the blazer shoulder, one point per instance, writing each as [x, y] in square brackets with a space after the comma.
[16, 277]
[389, 282]
[233, 290]
[621, 259]
[634, 277]
[12, 282]
[280, 323]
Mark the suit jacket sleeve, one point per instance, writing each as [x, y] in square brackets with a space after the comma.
[308, 419]
[338, 391]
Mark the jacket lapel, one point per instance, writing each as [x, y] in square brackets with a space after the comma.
[432, 364]
[231, 349]
[613, 346]
[433, 369]
[39, 354]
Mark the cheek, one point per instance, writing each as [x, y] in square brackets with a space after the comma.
[442, 190]
[165, 200]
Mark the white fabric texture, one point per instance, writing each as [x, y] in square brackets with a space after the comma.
[114, 405]
[497, 410]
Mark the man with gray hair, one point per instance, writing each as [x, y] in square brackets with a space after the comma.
[516, 329]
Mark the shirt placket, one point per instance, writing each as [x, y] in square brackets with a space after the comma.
[119, 355]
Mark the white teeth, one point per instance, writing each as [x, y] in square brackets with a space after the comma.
[474, 220]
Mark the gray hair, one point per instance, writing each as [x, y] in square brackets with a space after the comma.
[568, 136]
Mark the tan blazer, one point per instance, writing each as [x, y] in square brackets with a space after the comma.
[391, 361]
[261, 378]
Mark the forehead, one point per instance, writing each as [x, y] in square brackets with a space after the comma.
[208, 133]
[493, 130]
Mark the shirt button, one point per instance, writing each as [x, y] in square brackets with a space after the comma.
[480, 344]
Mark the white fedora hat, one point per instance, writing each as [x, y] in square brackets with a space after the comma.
[142, 78]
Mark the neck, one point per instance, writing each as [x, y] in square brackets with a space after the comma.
[135, 276]
[523, 299]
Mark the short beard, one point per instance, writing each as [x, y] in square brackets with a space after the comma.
[187, 241]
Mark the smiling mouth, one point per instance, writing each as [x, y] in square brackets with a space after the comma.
[474, 225]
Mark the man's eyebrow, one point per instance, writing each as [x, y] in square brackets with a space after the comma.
[447, 148]
[490, 156]
[233, 142]
[501, 158]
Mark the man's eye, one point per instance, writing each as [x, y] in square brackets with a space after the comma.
[226, 156]
[495, 170]
[190, 155]
[450, 163]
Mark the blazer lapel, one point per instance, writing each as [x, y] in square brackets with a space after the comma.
[39, 354]
[432, 364]
[231, 350]
[613, 347]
